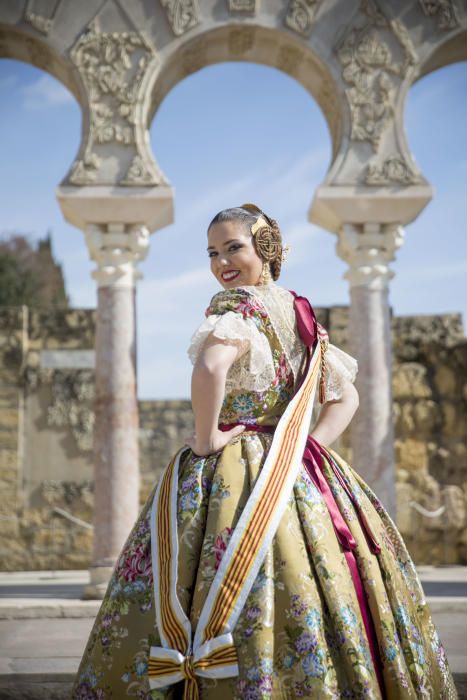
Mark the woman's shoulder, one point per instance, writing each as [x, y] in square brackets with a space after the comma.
[260, 293]
[241, 300]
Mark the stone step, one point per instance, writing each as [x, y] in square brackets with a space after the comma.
[56, 686]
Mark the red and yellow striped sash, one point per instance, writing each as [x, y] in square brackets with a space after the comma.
[212, 651]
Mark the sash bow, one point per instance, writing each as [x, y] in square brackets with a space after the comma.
[217, 658]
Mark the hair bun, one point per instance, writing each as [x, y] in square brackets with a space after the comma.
[268, 242]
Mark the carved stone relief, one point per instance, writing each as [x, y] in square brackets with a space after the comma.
[444, 10]
[41, 23]
[394, 169]
[141, 172]
[182, 14]
[62, 325]
[71, 407]
[84, 171]
[66, 493]
[72, 398]
[370, 67]
[300, 15]
[245, 6]
[112, 66]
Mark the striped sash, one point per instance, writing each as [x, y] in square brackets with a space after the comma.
[212, 652]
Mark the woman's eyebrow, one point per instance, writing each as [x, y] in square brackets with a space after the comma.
[226, 243]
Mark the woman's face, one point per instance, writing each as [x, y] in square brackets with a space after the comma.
[234, 260]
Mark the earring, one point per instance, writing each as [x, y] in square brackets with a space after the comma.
[265, 276]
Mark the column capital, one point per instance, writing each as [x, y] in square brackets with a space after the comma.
[335, 205]
[149, 206]
[117, 223]
[117, 249]
[368, 249]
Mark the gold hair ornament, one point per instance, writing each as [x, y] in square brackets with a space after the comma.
[265, 276]
[267, 237]
[259, 223]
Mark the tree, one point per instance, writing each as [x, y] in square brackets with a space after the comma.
[30, 275]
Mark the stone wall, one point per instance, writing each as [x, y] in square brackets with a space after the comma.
[47, 388]
[46, 426]
[430, 406]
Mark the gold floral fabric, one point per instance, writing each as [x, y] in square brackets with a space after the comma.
[300, 633]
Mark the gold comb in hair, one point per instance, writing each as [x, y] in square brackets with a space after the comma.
[248, 205]
[259, 223]
[256, 210]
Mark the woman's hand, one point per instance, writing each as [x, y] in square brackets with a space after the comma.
[217, 442]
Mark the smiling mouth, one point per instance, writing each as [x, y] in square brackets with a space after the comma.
[230, 275]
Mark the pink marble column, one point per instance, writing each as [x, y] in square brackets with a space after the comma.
[116, 431]
[368, 249]
[116, 458]
[372, 431]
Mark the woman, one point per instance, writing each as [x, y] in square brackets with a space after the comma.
[262, 565]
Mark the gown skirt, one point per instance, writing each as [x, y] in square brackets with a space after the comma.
[335, 608]
[301, 632]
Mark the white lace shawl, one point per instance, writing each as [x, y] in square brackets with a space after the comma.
[254, 371]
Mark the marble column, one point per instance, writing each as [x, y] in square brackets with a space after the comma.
[368, 249]
[116, 248]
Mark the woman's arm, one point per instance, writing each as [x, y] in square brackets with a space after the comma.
[335, 416]
[207, 394]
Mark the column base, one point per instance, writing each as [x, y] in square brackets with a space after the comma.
[99, 580]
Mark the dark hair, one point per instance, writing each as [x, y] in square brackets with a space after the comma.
[270, 236]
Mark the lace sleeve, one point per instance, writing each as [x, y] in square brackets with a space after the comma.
[233, 317]
[233, 328]
[340, 368]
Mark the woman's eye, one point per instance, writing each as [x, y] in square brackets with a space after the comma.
[235, 246]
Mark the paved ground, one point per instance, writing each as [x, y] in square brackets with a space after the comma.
[44, 627]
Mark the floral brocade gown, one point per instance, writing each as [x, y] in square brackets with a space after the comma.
[300, 633]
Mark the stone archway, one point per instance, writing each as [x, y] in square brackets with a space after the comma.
[356, 59]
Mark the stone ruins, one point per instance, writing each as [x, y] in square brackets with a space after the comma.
[358, 60]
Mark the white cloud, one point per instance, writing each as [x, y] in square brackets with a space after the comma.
[300, 237]
[432, 273]
[45, 92]
[277, 184]
[163, 302]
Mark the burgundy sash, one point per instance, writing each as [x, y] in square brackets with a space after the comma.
[313, 461]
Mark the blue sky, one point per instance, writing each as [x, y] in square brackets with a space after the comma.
[231, 133]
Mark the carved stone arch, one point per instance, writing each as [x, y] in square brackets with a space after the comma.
[449, 49]
[375, 54]
[19, 44]
[250, 44]
[443, 50]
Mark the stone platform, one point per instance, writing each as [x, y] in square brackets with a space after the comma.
[44, 627]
